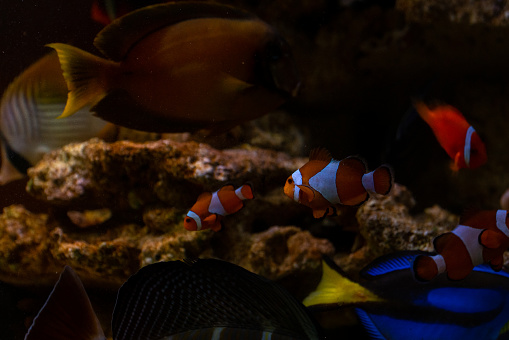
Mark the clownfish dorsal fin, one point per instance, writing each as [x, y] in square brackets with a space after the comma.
[116, 39]
[229, 187]
[320, 154]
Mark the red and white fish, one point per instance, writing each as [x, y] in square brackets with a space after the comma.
[210, 208]
[455, 135]
[482, 237]
[324, 183]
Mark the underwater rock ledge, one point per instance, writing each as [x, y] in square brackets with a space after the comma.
[125, 175]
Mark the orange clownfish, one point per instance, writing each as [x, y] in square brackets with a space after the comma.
[324, 183]
[455, 135]
[482, 237]
[210, 208]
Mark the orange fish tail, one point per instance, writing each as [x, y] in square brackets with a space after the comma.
[425, 268]
[246, 191]
[379, 181]
[86, 77]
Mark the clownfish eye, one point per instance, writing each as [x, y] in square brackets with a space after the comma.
[290, 181]
[188, 220]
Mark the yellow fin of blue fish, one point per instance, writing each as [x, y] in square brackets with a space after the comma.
[335, 288]
[115, 40]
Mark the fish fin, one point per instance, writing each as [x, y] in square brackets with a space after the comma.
[320, 213]
[109, 133]
[454, 166]
[336, 289]
[85, 75]
[492, 239]
[390, 263]
[381, 180]
[497, 263]
[8, 171]
[227, 187]
[216, 226]
[369, 325]
[67, 313]
[307, 192]
[116, 39]
[212, 219]
[320, 154]
[424, 268]
[214, 293]
[247, 191]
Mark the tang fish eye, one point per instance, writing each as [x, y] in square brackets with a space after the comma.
[290, 180]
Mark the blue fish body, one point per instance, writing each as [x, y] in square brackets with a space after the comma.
[474, 308]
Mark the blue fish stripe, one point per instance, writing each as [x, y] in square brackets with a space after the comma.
[369, 326]
[391, 264]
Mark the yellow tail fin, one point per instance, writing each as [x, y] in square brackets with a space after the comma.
[335, 288]
[86, 76]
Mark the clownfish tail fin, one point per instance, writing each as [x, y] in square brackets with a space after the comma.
[379, 180]
[85, 75]
[245, 192]
[426, 268]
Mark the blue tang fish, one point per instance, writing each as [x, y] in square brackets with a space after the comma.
[188, 299]
[392, 304]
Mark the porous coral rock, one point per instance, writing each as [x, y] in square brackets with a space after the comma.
[387, 225]
[123, 174]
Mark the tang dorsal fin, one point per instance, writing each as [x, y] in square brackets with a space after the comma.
[391, 262]
[320, 154]
[116, 39]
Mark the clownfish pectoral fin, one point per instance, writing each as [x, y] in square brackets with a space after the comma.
[320, 154]
[497, 263]
[306, 192]
[211, 219]
[216, 226]
[455, 163]
[320, 213]
[492, 239]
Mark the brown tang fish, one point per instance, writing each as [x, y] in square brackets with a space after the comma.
[183, 66]
[28, 110]
[207, 299]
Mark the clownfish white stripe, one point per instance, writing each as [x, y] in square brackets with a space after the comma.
[468, 142]
[238, 192]
[297, 180]
[297, 177]
[325, 182]
[296, 194]
[501, 218]
[215, 206]
[470, 238]
[368, 182]
[196, 218]
[440, 262]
